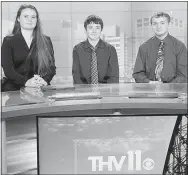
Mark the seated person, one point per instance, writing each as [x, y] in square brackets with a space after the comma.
[94, 60]
[27, 54]
[162, 58]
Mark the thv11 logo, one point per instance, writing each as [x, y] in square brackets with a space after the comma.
[98, 162]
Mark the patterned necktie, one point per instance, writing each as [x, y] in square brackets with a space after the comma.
[94, 71]
[159, 62]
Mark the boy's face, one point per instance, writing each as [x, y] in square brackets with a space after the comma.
[160, 26]
[93, 31]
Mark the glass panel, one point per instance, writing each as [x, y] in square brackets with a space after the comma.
[139, 21]
[146, 24]
[139, 25]
[146, 19]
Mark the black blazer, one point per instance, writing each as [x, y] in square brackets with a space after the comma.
[17, 67]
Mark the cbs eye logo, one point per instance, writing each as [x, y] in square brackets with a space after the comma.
[148, 164]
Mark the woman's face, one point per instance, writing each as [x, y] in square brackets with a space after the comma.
[28, 19]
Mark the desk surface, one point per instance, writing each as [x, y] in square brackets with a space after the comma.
[111, 97]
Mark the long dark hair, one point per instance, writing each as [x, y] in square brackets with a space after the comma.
[44, 50]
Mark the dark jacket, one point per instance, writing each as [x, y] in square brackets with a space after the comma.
[17, 66]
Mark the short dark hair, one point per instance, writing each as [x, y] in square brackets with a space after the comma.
[160, 14]
[95, 19]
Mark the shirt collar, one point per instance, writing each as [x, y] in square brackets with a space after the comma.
[165, 40]
[100, 44]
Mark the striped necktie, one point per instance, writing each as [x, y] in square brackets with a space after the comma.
[159, 62]
[94, 71]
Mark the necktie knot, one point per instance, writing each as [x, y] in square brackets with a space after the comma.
[93, 48]
[161, 44]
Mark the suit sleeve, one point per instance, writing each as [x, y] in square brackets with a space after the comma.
[181, 74]
[113, 67]
[76, 72]
[139, 72]
[8, 64]
[52, 71]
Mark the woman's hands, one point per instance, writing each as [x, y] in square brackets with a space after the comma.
[36, 81]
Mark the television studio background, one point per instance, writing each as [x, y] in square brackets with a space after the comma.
[126, 27]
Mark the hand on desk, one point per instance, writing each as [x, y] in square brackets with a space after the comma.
[36, 81]
[34, 91]
[31, 94]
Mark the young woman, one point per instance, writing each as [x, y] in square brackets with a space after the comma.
[27, 54]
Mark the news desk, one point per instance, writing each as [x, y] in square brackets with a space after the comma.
[104, 99]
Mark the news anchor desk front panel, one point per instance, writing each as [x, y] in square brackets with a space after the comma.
[81, 100]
